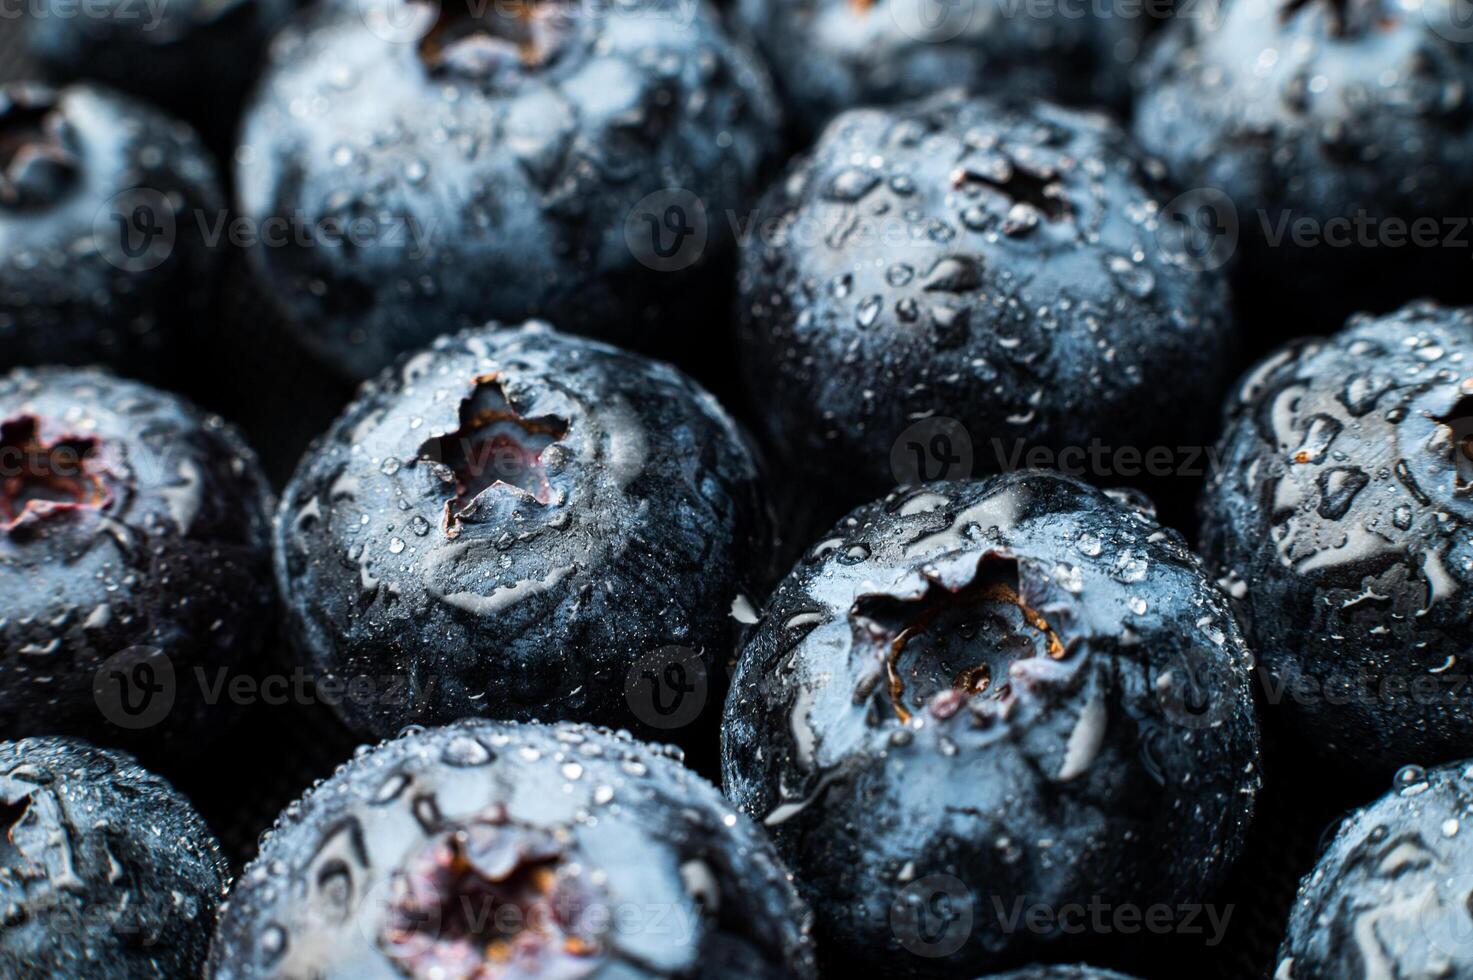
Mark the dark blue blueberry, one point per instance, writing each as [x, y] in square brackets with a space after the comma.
[1001, 268]
[134, 559]
[1389, 896]
[519, 523]
[1341, 518]
[106, 872]
[422, 169]
[1331, 121]
[195, 57]
[489, 849]
[832, 55]
[102, 253]
[1059, 973]
[972, 699]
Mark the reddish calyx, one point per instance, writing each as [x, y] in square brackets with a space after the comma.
[482, 42]
[491, 900]
[494, 447]
[38, 160]
[39, 479]
[950, 647]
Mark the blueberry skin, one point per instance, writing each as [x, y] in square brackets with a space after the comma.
[833, 55]
[970, 259]
[1389, 895]
[1339, 516]
[106, 871]
[194, 56]
[631, 536]
[1120, 763]
[75, 287]
[1286, 108]
[145, 560]
[627, 830]
[1060, 973]
[496, 189]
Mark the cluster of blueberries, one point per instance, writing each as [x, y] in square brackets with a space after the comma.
[543, 566]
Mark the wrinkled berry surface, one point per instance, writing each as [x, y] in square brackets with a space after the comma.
[1389, 896]
[515, 523]
[503, 849]
[1339, 519]
[1018, 688]
[135, 562]
[105, 871]
[1002, 266]
[494, 168]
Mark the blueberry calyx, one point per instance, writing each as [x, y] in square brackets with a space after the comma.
[1042, 192]
[38, 158]
[504, 40]
[495, 446]
[987, 628]
[39, 478]
[1457, 430]
[489, 898]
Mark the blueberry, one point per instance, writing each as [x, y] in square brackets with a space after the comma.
[1339, 516]
[1060, 973]
[976, 698]
[106, 871]
[1389, 896]
[134, 559]
[988, 265]
[537, 850]
[832, 55]
[520, 524]
[1348, 120]
[196, 57]
[102, 257]
[552, 159]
